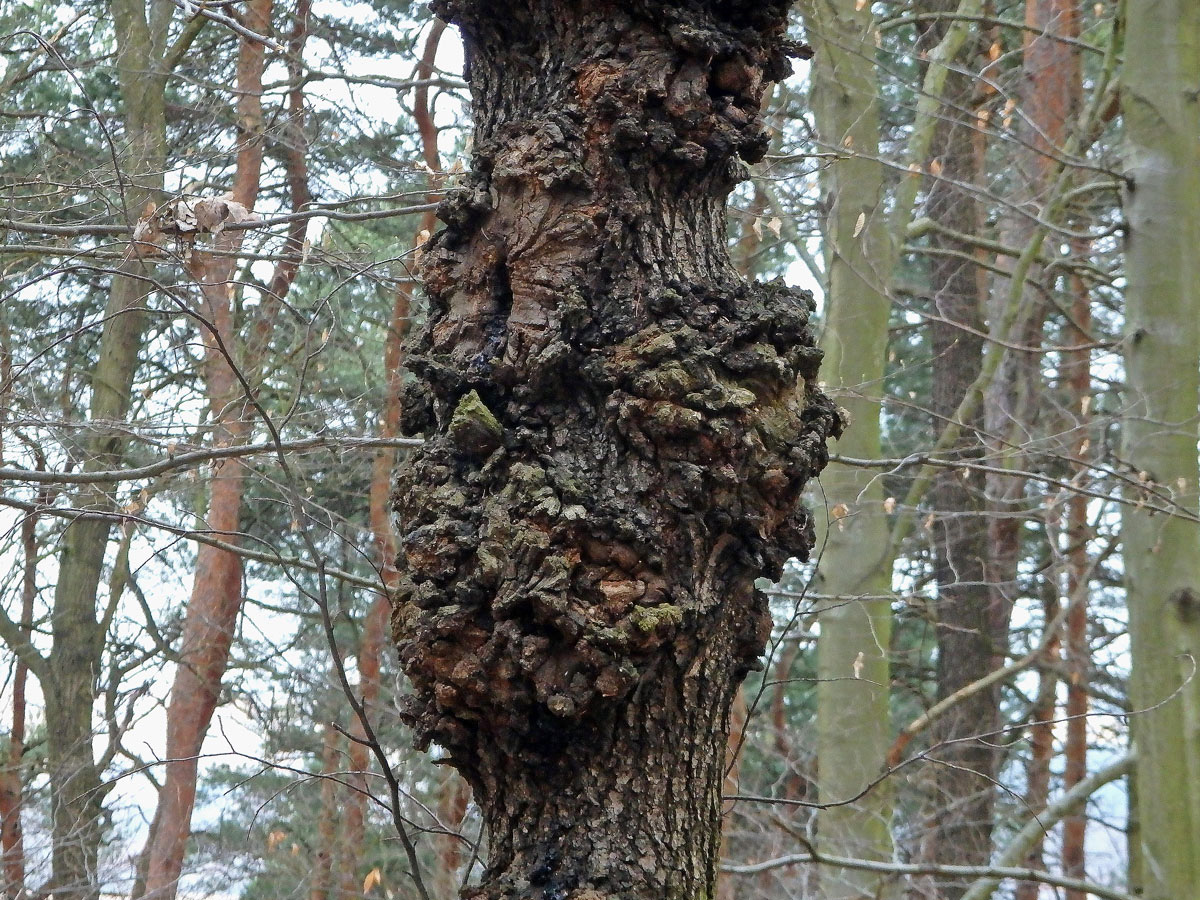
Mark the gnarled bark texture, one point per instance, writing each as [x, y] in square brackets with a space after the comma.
[619, 427]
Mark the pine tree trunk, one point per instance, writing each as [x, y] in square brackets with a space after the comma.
[619, 430]
[971, 627]
[216, 598]
[1052, 96]
[375, 623]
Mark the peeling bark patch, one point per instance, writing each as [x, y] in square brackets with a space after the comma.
[618, 429]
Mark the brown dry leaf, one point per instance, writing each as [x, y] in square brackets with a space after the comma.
[775, 226]
[858, 665]
[210, 215]
[373, 878]
[146, 228]
[994, 51]
[274, 839]
[237, 212]
[860, 223]
[840, 511]
[929, 520]
[935, 168]
[859, 4]
[889, 505]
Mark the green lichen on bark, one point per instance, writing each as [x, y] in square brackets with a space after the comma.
[652, 618]
[473, 427]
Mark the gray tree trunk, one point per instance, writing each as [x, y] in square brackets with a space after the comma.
[1162, 360]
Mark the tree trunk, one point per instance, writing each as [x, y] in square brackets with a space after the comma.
[619, 430]
[1052, 95]
[375, 624]
[1162, 360]
[216, 598]
[327, 827]
[78, 633]
[12, 782]
[451, 809]
[853, 726]
[1078, 370]
[971, 627]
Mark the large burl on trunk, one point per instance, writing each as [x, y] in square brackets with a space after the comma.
[619, 428]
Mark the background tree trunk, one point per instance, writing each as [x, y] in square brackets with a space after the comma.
[216, 598]
[375, 624]
[970, 626]
[855, 565]
[619, 430]
[78, 627]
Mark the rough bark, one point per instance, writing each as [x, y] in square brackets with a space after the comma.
[853, 727]
[970, 625]
[1162, 362]
[619, 427]
[745, 258]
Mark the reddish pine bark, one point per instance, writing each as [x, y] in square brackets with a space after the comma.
[452, 808]
[327, 825]
[216, 596]
[1053, 94]
[375, 625]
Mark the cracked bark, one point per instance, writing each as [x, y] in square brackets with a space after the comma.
[619, 427]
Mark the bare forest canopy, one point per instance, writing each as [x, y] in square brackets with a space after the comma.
[371, 381]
